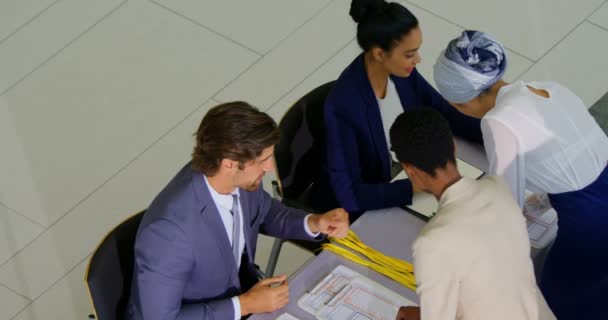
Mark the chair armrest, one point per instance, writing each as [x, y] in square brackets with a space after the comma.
[276, 190]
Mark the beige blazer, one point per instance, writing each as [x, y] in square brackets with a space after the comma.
[472, 260]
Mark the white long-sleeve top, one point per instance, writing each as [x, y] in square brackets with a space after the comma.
[472, 260]
[390, 109]
[545, 145]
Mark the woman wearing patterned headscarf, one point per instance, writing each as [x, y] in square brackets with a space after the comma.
[539, 136]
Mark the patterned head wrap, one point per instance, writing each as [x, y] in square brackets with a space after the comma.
[470, 64]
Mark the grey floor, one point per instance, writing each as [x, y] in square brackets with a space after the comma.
[600, 112]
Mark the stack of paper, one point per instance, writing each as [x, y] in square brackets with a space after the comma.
[541, 220]
[345, 294]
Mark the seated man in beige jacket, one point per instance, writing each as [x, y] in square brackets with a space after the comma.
[472, 260]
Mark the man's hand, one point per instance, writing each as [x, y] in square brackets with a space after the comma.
[333, 223]
[408, 313]
[268, 295]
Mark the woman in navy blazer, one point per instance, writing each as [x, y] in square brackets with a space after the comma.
[357, 170]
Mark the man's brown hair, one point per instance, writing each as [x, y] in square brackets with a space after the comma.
[235, 131]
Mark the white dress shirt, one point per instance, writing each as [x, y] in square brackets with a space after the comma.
[223, 202]
[472, 260]
[390, 108]
[545, 145]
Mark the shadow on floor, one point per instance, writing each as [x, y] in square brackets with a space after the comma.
[600, 112]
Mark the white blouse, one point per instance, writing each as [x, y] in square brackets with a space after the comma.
[545, 145]
[390, 109]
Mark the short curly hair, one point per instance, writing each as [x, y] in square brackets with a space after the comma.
[235, 131]
[423, 139]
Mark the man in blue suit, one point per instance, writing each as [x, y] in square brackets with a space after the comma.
[196, 243]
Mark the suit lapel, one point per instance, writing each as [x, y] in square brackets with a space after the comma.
[211, 217]
[374, 118]
[377, 130]
[406, 96]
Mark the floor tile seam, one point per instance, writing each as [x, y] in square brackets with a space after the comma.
[238, 76]
[23, 215]
[323, 8]
[23, 25]
[599, 7]
[32, 301]
[597, 25]
[464, 28]
[585, 20]
[570, 32]
[56, 53]
[309, 75]
[199, 24]
[15, 292]
[314, 15]
[29, 301]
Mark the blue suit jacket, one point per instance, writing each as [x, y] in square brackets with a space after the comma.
[184, 268]
[357, 163]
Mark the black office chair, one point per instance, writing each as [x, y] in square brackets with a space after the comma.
[298, 157]
[110, 271]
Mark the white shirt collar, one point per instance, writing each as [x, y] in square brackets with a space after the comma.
[223, 200]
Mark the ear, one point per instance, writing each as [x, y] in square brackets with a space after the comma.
[229, 164]
[416, 172]
[406, 167]
[410, 170]
[378, 54]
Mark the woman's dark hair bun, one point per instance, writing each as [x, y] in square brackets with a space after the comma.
[360, 10]
[380, 23]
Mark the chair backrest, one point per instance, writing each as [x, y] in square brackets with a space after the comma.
[110, 271]
[299, 153]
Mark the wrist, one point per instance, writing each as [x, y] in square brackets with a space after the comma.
[244, 301]
[313, 223]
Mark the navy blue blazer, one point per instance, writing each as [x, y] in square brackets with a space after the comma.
[357, 161]
[184, 268]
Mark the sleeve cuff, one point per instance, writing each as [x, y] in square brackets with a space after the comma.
[310, 233]
[236, 303]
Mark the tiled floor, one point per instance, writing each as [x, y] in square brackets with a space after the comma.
[99, 99]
